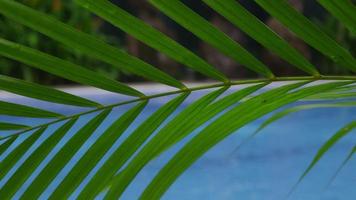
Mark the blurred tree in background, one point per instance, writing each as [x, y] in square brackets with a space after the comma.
[81, 19]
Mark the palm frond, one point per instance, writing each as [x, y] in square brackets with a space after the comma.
[62, 68]
[8, 162]
[150, 36]
[251, 25]
[309, 32]
[33, 161]
[13, 109]
[44, 93]
[343, 10]
[83, 42]
[201, 123]
[4, 126]
[210, 34]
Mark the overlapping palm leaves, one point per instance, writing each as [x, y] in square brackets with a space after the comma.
[220, 114]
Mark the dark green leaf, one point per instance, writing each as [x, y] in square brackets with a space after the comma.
[207, 32]
[167, 136]
[12, 109]
[33, 161]
[62, 68]
[5, 145]
[181, 126]
[223, 127]
[150, 36]
[56, 164]
[344, 10]
[95, 153]
[83, 42]
[4, 126]
[255, 28]
[44, 93]
[308, 32]
[129, 147]
[18, 152]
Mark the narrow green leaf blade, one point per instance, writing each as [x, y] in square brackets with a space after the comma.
[4, 126]
[343, 164]
[295, 109]
[44, 93]
[168, 136]
[95, 153]
[343, 10]
[17, 153]
[150, 36]
[129, 147]
[332, 95]
[62, 68]
[83, 42]
[32, 162]
[217, 107]
[51, 170]
[255, 28]
[207, 32]
[5, 145]
[223, 127]
[279, 115]
[308, 32]
[328, 145]
[12, 109]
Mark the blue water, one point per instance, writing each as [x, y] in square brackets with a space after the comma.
[265, 168]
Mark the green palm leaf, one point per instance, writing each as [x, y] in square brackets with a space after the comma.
[309, 32]
[60, 159]
[10, 126]
[214, 116]
[62, 68]
[288, 111]
[18, 152]
[224, 126]
[325, 148]
[37, 91]
[13, 109]
[150, 36]
[128, 148]
[5, 145]
[207, 32]
[83, 42]
[98, 149]
[335, 138]
[343, 10]
[250, 24]
[347, 159]
[32, 162]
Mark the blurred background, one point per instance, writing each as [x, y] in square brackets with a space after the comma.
[68, 12]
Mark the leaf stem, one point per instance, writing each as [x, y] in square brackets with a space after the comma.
[209, 86]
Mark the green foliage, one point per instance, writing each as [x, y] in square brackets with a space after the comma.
[65, 11]
[337, 30]
[215, 116]
[250, 24]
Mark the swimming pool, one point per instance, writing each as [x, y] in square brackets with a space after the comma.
[265, 168]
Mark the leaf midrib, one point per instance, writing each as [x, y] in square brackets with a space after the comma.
[191, 89]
